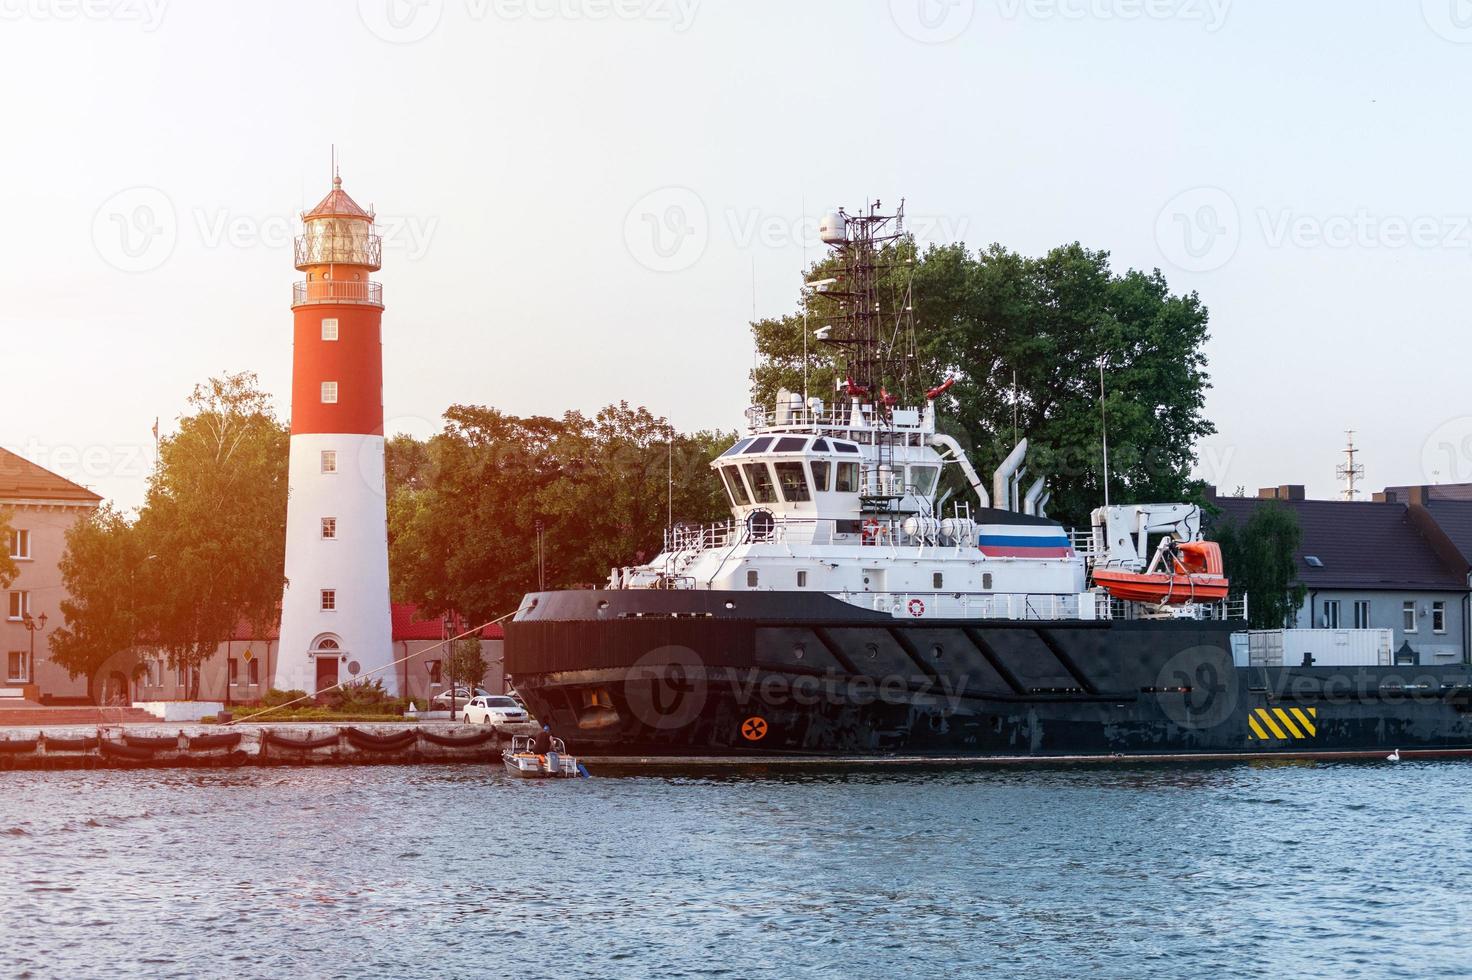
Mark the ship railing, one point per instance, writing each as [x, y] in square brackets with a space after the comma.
[831, 417]
[984, 605]
[1082, 542]
[1231, 608]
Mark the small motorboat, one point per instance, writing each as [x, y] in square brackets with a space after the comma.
[524, 763]
[1181, 572]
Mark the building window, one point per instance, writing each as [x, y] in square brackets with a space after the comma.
[329, 528]
[20, 605]
[802, 580]
[20, 545]
[937, 580]
[1330, 620]
[1362, 614]
[178, 676]
[1408, 616]
[253, 671]
[329, 461]
[329, 600]
[751, 578]
[1438, 617]
[329, 329]
[329, 392]
[234, 672]
[15, 667]
[436, 673]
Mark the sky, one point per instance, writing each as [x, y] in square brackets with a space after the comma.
[584, 201]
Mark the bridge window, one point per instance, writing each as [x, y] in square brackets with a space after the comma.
[848, 478]
[923, 479]
[760, 479]
[734, 486]
[758, 445]
[790, 444]
[845, 447]
[737, 448]
[821, 469]
[820, 445]
[793, 481]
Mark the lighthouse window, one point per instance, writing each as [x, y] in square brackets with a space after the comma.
[794, 482]
[329, 528]
[329, 392]
[329, 600]
[820, 474]
[329, 329]
[329, 461]
[761, 483]
[734, 486]
[848, 478]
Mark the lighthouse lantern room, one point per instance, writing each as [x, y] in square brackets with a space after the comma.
[335, 619]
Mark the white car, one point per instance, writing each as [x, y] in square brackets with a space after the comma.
[441, 701]
[493, 709]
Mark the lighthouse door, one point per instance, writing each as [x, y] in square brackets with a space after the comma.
[326, 672]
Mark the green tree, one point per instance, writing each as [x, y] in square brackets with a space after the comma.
[1260, 557]
[8, 569]
[465, 665]
[206, 551]
[463, 532]
[106, 572]
[1048, 322]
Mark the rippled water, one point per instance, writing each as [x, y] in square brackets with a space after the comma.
[1258, 870]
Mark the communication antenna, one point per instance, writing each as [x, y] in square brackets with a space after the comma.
[1104, 430]
[1349, 471]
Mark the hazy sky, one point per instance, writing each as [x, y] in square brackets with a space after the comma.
[577, 196]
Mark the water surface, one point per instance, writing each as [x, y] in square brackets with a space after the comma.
[1247, 870]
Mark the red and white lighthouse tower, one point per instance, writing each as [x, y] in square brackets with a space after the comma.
[335, 620]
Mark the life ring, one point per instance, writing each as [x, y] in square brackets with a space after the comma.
[916, 607]
[871, 531]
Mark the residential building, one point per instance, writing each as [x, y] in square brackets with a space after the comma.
[41, 507]
[1380, 564]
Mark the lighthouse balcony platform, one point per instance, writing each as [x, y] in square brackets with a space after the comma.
[337, 292]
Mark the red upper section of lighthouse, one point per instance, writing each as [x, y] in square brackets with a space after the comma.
[337, 366]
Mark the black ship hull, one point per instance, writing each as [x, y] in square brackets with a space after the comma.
[693, 673]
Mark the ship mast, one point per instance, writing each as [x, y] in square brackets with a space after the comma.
[874, 329]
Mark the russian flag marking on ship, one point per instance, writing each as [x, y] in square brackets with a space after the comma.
[1022, 541]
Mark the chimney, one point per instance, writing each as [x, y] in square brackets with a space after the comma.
[1291, 491]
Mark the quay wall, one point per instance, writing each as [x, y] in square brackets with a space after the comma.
[162, 746]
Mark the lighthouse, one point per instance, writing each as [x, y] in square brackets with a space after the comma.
[335, 619]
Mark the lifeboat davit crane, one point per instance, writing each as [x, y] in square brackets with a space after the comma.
[1181, 572]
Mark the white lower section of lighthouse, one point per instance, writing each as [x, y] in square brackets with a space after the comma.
[336, 624]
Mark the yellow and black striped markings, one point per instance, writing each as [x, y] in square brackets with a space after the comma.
[1282, 724]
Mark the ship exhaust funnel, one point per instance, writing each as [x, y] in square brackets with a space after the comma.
[1001, 480]
[1034, 495]
[950, 445]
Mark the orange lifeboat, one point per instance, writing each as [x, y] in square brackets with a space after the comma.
[1195, 575]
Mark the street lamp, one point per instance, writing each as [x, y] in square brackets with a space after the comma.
[32, 627]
